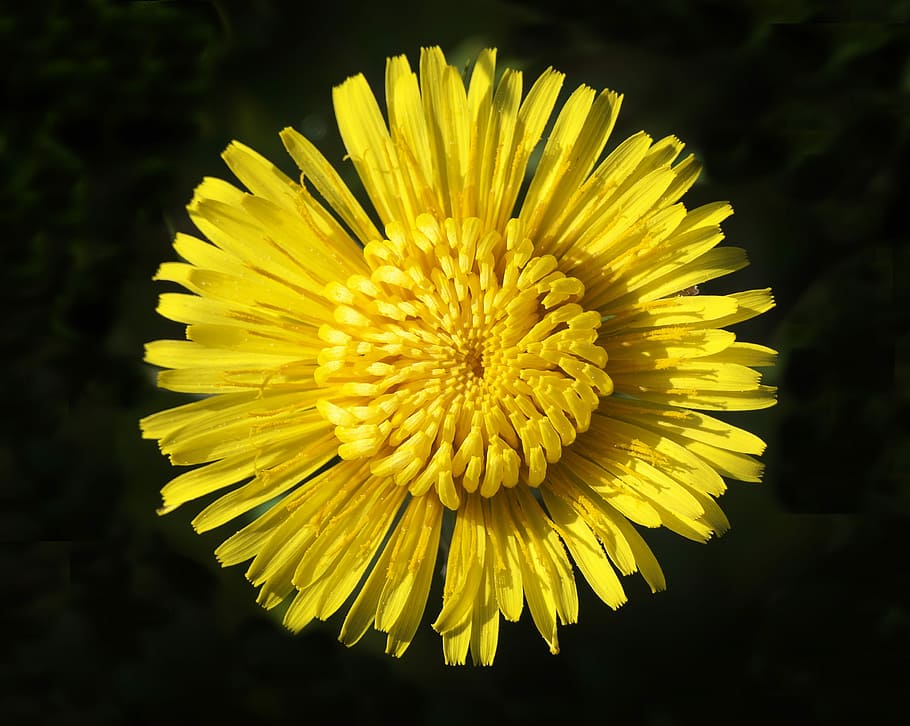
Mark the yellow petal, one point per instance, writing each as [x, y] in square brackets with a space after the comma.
[296, 526]
[412, 559]
[640, 440]
[189, 354]
[485, 618]
[464, 567]
[267, 485]
[688, 425]
[166, 423]
[674, 311]
[749, 304]
[204, 480]
[712, 264]
[423, 559]
[611, 488]
[329, 184]
[729, 463]
[585, 549]
[646, 349]
[367, 140]
[446, 107]
[578, 137]
[537, 583]
[506, 568]
[747, 354]
[259, 175]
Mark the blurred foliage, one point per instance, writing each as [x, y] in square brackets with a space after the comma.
[115, 110]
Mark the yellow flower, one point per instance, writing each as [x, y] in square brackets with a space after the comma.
[520, 371]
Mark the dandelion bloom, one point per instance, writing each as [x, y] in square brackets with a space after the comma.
[515, 379]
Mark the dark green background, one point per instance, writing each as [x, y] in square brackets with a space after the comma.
[114, 111]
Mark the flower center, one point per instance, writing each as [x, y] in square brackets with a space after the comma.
[462, 363]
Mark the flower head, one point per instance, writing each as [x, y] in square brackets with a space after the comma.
[530, 367]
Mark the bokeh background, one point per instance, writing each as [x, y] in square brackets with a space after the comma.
[113, 112]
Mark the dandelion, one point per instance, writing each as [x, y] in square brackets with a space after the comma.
[526, 372]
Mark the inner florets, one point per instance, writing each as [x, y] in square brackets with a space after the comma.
[462, 363]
